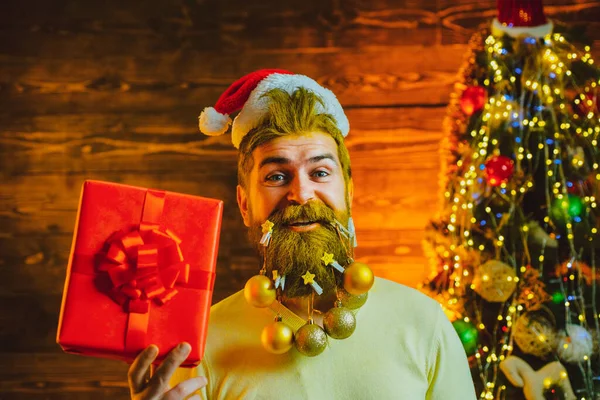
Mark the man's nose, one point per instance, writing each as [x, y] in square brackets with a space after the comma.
[301, 190]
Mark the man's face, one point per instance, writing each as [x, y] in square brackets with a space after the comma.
[293, 170]
[297, 182]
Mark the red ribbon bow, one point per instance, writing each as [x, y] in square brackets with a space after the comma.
[143, 265]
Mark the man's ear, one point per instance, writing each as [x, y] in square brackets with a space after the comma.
[242, 200]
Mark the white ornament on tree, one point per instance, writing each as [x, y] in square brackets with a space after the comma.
[575, 344]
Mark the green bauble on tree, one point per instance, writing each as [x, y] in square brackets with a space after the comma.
[515, 247]
[468, 334]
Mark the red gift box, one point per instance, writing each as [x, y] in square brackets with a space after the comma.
[141, 272]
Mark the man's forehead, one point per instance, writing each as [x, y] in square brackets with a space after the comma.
[299, 147]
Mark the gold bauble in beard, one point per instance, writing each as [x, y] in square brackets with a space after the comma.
[339, 322]
[310, 340]
[358, 278]
[351, 301]
[259, 291]
[277, 337]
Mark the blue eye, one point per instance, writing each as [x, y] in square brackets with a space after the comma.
[275, 178]
[321, 174]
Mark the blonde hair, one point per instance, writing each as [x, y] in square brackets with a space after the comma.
[291, 114]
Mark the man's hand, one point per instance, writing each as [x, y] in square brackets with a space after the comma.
[157, 386]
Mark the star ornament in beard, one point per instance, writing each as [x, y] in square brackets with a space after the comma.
[301, 234]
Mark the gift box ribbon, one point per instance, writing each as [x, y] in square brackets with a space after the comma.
[145, 265]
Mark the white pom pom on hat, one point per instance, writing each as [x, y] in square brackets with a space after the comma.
[213, 123]
[246, 94]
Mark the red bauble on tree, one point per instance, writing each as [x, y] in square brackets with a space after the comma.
[498, 170]
[472, 99]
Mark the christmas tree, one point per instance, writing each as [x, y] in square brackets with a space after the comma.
[515, 247]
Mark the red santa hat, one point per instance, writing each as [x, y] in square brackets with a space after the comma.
[246, 94]
[521, 17]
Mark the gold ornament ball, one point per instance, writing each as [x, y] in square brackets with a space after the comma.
[351, 301]
[277, 337]
[535, 334]
[259, 291]
[339, 322]
[358, 278]
[495, 281]
[310, 340]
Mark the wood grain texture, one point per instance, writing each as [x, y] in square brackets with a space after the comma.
[55, 375]
[188, 80]
[111, 90]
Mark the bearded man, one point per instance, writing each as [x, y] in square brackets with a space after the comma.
[296, 332]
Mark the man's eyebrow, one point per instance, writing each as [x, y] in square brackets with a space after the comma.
[283, 160]
[326, 156]
[273, 160]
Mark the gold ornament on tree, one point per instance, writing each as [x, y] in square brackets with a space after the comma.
[534, 334]
[495, 281]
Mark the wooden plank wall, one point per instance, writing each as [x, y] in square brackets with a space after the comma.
[110, 90]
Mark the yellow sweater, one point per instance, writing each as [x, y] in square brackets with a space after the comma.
[403, 347]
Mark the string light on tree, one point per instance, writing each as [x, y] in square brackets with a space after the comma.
[515, 248]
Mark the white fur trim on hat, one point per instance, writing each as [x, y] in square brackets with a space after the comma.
[213, 123]
[256, 105]
[536, 31]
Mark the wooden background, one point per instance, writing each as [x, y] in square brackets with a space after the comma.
[111, 90]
